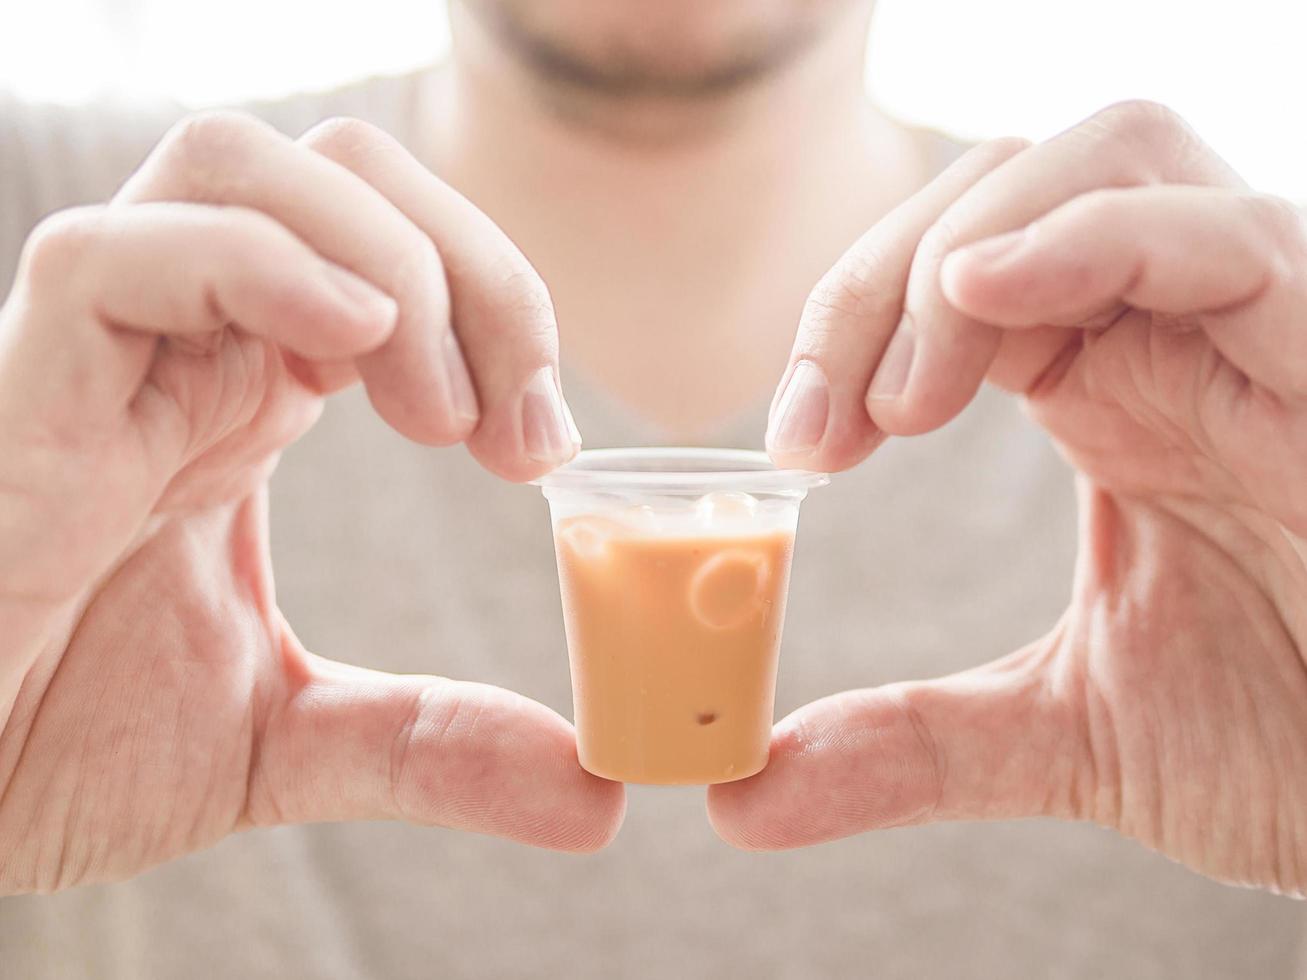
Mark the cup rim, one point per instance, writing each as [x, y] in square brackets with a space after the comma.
[678, 469]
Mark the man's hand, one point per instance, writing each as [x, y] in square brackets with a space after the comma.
[1152, 313]
[155, 356]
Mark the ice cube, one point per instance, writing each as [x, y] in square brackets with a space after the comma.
[658, 514]
[726, 507]
[728, 588]
[583, 504]
[644, 517]
[587, 537]
[776, 513]
[671, 506]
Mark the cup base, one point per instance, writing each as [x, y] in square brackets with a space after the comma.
[636, 777]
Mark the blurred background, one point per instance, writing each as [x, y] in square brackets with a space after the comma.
[974, 68]
[998, 67]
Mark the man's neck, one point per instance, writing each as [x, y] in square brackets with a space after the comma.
[679, 240]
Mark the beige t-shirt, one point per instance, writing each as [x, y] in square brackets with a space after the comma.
[944, 551]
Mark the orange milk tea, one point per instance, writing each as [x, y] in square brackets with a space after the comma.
[673, 626]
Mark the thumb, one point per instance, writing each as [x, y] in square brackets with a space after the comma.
[995, 742]
[347, 743]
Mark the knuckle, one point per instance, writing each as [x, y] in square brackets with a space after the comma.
[1149, 140]
[1285, 226]
[845, 293]
[1008, 144]
[247, 237]
[432, 758]
[832, 303]
[852, 289]
[1285, 222]
[203, 134]
[943, 236]
[250, 228]
[1142, 119]
[404, 747]
[347, 140]
[1147, 143]
[416, 269]
[989, 154]
[58, 245]
[994, 151]
[522, 292]
[1099, 206]
[933, 761]
[205, 150]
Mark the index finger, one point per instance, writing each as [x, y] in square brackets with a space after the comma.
[819, 420]
[226, 158]
[501, 310]
[418, 379]
[943, 355]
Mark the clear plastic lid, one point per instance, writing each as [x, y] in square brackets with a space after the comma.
[678, 471]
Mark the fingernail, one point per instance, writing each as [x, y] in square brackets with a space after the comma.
[462, 396]
[546, 434]
[891, 378]
[363, 299]
[799, 421]
[572, 430]
[992, 249]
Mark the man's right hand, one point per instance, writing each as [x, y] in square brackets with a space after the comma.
[156, 354]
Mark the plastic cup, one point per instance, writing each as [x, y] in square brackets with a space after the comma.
[674, 566]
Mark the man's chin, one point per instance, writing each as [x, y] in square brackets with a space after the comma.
[671, 49]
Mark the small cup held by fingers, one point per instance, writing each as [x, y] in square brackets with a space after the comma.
[674, 566]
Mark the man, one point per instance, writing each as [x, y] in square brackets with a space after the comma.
[679, 177]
